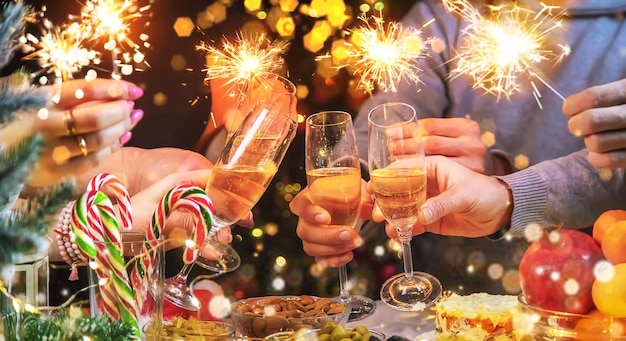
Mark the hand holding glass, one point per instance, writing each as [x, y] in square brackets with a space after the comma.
[333, 172]
[398, 180]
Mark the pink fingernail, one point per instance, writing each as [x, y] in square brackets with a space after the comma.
[125, 137]
[134, 91]
[136, 115]
[131, 104]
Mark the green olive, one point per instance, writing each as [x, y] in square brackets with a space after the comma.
[339, 333]
[328, 327]
[323, 337]
[361, 329]
[355, 336]
[366, 337]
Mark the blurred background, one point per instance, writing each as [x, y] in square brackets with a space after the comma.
[177, 105]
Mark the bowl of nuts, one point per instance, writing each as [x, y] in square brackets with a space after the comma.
[263, 316]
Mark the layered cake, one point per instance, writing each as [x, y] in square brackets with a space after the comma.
[476, 317]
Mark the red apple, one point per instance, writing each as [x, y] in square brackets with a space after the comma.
[556, 271]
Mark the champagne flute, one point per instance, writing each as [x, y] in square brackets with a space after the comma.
[398, 179]
[333, 172]
[249, 162]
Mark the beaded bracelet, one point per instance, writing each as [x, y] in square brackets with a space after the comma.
[67, 248]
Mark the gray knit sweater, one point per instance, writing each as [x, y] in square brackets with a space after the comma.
[567, 189]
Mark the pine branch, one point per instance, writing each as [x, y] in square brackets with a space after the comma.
[25, 231]
[15, 166]
[63, 327]
[17, 93]
[11, 26]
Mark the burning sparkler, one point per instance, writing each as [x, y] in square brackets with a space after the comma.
[508, 44]
[243, 61]
[111, 19]
[59, 50]
[385, 54]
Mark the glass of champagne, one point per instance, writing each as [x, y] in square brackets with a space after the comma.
[333, 172]
[398, 179]
[240, 176]
[250, 160]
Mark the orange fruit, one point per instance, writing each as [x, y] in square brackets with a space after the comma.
[609, 294]
[596, 326]
[604, 221]
[614, 243]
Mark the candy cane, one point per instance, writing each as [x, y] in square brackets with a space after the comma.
[106, 237]
[101, 180]
[116, 265]
[186, 196]
[87, 228]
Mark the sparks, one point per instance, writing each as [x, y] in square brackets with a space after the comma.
[59, 51]
[244, 60]
[111, 20]
[385, 54]
[508, 44]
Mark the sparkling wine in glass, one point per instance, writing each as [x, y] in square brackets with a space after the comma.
[333, 172]
[398, 179]
[249, 162]
[240, 176]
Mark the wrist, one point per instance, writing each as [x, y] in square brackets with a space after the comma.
[500, 163]
[505, 212]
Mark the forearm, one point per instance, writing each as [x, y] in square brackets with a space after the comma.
[566, 192]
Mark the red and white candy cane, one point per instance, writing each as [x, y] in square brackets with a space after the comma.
[188, 197]
[103, 227]
[86, 230]
[112, 260]
[101, 180]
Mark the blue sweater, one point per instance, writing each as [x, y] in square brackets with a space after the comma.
[566, 190]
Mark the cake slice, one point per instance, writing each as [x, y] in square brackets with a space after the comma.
[476, 317]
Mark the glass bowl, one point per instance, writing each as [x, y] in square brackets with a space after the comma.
[543, 324]
[313, 335]
[189, 331]
[261, 316]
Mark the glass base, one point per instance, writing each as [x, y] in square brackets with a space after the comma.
[179, 294]
[361, 306]
[411, 294]
[230, 260]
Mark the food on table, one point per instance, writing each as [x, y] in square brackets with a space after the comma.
[476, 317]
[604, 221]
[557, 271]
[190, 329]
[330, 331]
[609, 294]
[262, 316]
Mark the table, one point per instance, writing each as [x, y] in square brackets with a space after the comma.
[415, 326]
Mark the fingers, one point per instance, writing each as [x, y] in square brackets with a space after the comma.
[335, 261]
[595, 120]
[48, 172]
[331, 239]
[614, 159]
[448, 127]
[302, 206]
[90, 117]
[75, 92]
[602, 96]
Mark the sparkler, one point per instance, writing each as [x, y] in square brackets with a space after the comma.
[507, 45]
[111, 19]
[385, 54]
[59, 50]
[244, 60]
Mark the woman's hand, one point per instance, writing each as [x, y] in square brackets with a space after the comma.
[85, 122]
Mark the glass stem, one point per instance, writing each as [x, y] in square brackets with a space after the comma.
[344, 292]
[405, 233]
[182, 275]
